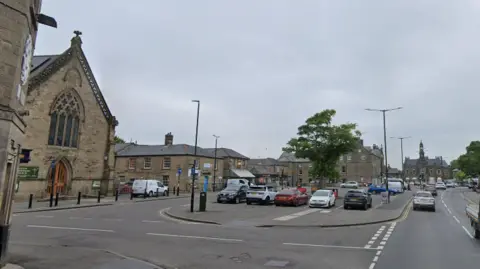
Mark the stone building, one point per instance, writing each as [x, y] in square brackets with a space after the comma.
[164, 162]
[363, 165]
[70, 128]
[234, 163]
[426, 169]
[294, 170]
[266, 170]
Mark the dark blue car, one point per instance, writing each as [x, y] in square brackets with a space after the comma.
[379, 189]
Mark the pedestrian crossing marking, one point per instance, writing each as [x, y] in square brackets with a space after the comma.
[300, 214]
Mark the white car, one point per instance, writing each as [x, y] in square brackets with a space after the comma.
[450, 185]
[349, 184]
[322, 198]
[149, 187]
[423, 200]
[440, 186]
[261, 194]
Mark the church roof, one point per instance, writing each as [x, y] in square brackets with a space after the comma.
[44, 66]
[429, 162]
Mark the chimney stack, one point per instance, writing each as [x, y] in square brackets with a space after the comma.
[168, 139]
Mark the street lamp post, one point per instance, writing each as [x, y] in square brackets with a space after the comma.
[385, 144]
[215, 163]
[192, 198]
[401, 153]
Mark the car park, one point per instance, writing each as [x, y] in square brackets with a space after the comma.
[322, 198]
[423, 200]
[357, 199]
[440, 186]
[262, 194]
[233, 193]
[292, 197]
[349, 184]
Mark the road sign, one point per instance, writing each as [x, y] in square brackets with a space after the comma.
[179, 171]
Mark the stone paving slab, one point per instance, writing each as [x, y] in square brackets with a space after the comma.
[471, 196]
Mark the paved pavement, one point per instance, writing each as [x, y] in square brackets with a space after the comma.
[470, 196]
[270, 215]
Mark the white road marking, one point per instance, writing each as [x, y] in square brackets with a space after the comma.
[380, 247]
[466, 230]
[375, 259]
[113, 219]
[367, 246]
[296, 215]
[383, 242]
[80, 218]
[372, 265]
[325, 246]
[338, 207]
[456, 219]
[379, 252]
[70, 228]
[449, 212]
[196, 237]
[153, 221]
[375, 237]
[43, 216]
[371, 242]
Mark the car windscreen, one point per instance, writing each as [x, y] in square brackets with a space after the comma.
[423, 194]
[287, 192]
[257, 188]
[232, 188]
[321, 193]
[354, 194]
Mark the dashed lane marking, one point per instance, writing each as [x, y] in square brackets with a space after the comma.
[382, 244]
[375, 237]
[456, 219]
[327, 246]
[70, 228]
[468, 232]
[196, 237]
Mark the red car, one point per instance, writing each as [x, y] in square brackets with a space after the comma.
[291, 197]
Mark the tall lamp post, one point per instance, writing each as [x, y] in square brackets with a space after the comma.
[215, 163]
[401, 152]
[192, 198]
[385, 143]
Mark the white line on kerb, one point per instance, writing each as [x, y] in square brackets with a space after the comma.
[153, 221]
[327, 246]
[196, 237]
[457, 220]
[70, 228]
[466, 230]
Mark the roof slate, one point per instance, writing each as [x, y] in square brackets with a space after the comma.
[226, 153]
[430, 162]
[134, 150]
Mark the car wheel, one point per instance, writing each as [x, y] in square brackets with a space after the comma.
[249, 203]
[345, 207]
[164, 193]
[476, 234]
[150, 194]
[433, 209]
[237, 200]
[370, 205]
[365, 207]
[267, 200]
[218, 201]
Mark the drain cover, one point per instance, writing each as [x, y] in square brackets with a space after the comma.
[273, 263]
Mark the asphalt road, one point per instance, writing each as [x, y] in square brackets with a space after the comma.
[138, 236]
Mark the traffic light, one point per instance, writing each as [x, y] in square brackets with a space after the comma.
[25, 156]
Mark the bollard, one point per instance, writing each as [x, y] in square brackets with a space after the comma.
[98, 197]
[30, 200]
[56, 199]
[202, 206]
[131, 195]
[145, 194]
[157, 192]
[178, 191]
[174, 190]
[79, 197]
[116, 195]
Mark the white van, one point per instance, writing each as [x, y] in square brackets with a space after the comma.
[151, 186]
[395, 185]
[237, 181]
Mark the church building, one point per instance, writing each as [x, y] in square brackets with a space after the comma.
[426, 169]
[70, 128]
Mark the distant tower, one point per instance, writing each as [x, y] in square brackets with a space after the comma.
[421, 151]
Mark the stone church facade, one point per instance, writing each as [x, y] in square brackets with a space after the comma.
[70, 128]
[426, 169]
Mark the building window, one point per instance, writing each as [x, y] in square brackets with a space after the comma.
[349, 157]
[439, 172]
[167, 163]
[147, 163]
[65, 120]
[131, 163]
[430, 171]
[414, 172]
[239, 164]
[363, 158]
[300, 171]
[344, 169]
[166, 180]
[341, 158]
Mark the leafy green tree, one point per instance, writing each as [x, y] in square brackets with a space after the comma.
[460, 176]
[469, 162]
[118, 140]
[323, 143]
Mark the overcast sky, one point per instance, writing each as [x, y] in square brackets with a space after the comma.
[260, 68]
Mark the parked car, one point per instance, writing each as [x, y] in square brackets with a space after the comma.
[149, 187]
[357, 198]
[349, 184]
[450, 184]
[291, 197]
[423, 200]
[322, 198]
[431, 189]
[380, 188]
[440, 186]
[233, 193]
[263, 194]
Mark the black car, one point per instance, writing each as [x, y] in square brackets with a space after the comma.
[233, 193]
[431, 189]
[357, 199]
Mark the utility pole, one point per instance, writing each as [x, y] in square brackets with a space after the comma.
[385, 143]
[194, 168]
[401, 153]
[215, 163]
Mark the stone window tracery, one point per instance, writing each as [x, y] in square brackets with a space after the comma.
[65, 120]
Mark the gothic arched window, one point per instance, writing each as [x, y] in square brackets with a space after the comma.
[65, 120]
